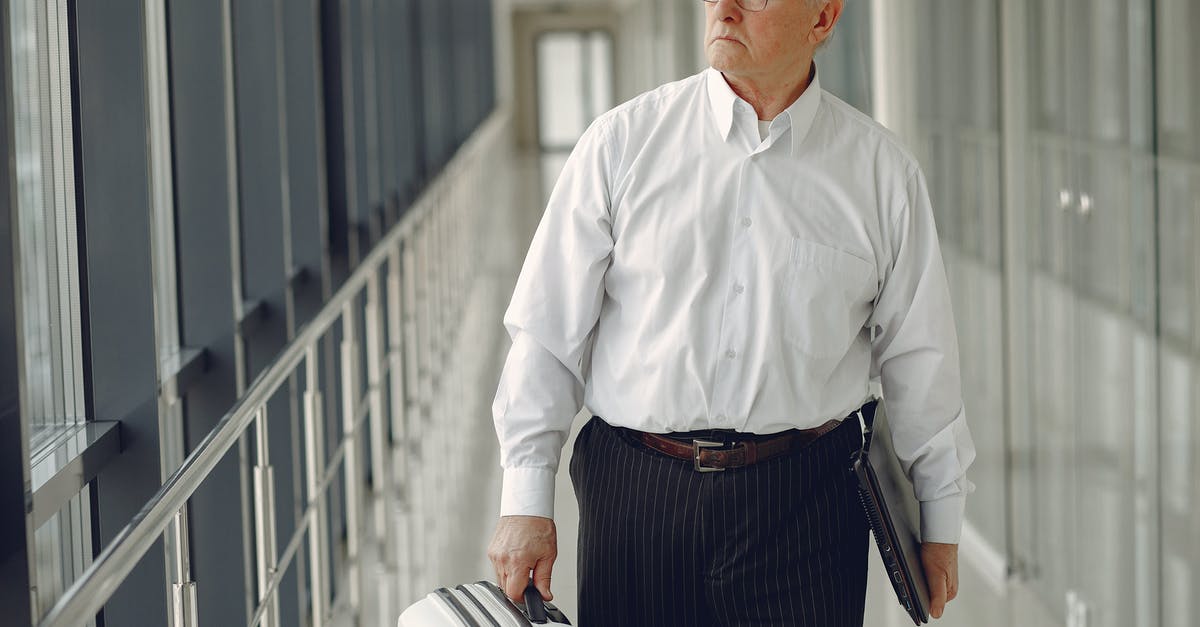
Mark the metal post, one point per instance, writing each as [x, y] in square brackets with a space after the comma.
[380, 451]
[183, 604]
[264, 519]
[438, 282]
[412, 339]
[457, 256]
[445, 285]
[351, 462]
[420, 332]
[184, 610]
[437, 327]
[378, 435]
[396, 345]
[431, 499]
[437, 288]
[314, 465]
[412, 408]
[434, 485]
[397, 413]
[426, 317]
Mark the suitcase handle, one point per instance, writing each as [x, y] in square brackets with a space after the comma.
[535, 607]
[533, 611]
[540, 612]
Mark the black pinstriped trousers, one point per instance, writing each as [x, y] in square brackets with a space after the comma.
[781, 542]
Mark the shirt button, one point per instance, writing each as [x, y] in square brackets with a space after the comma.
[720, 418]
[731, 353]
[746, 222]
[738, 288]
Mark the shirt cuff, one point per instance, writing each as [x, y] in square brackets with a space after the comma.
[941, 519]
[527, 492]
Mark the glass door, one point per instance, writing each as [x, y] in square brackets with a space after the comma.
[958, 140]
[1178, 137]
[1110, 88]
[1052, 384]
[1093, 407]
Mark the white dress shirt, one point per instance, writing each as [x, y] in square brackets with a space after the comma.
[688, 275]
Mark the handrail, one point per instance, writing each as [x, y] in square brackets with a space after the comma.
[86, 597]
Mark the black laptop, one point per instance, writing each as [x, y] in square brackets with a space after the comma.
[892, 509]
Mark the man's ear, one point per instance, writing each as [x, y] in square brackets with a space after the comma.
[825, 20]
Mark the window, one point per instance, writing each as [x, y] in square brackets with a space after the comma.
[48, 285]
[575, 84]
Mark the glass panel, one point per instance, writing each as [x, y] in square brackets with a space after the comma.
[1178, 107]
[45, 178]
[1051, 308]
[845, 60]
[575, 84]
[1180, 490]
[958, 144]
[1050, 411]
[49, 273]
[1092, 301]
[63, 550]
[1109, 86]
[1179, 89]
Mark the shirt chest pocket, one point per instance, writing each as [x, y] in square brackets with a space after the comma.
[822, 289]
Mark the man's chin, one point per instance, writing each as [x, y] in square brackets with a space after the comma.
[723, 62]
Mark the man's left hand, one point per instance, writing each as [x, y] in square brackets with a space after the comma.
[941, 573]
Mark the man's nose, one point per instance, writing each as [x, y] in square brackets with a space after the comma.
[727, 11]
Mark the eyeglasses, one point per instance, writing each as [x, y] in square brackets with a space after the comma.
[747, 5]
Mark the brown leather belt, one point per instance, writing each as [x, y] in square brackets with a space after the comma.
[710, 456]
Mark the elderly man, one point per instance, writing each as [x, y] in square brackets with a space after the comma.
[723, 266]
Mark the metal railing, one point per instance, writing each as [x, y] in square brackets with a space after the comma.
[410, 291]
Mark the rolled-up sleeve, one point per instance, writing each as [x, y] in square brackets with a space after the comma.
[916, 355]
[551, 319]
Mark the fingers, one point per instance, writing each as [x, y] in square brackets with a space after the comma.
[541, 578]
[514, 585]
[510, 577]
[937, 596]
[522, 544]
[941, 572]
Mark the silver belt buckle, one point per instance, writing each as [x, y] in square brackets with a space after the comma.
[703, 444]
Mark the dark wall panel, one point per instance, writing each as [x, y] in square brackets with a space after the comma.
[409, 103]
[356, 16]
[206, 294]
[259, 175]
[385, 44]
[306, 157]
[436, 106]
[339, 218]
[120, 314]
[261, 108]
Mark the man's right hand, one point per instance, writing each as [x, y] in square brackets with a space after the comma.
[522, 544]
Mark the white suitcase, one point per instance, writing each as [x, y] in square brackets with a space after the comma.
[480, 604]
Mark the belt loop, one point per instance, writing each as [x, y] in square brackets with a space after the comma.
[751, 451]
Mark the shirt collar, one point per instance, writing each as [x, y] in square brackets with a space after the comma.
[801, 113]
